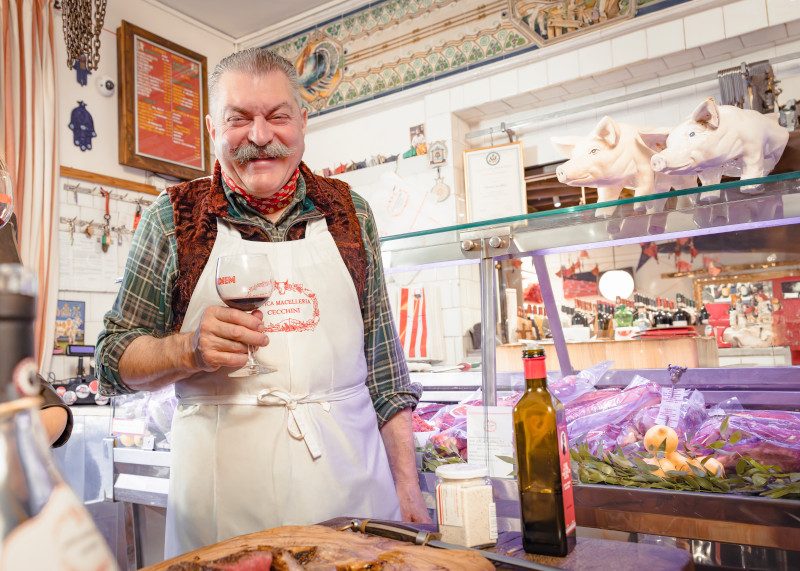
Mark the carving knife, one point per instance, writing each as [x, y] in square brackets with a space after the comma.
[417, 537]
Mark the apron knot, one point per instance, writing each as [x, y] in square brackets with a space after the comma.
[300, 423]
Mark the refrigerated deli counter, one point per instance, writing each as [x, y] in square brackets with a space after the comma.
[722, 524]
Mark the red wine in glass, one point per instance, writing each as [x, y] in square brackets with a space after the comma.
[245, 282]
[245, 303]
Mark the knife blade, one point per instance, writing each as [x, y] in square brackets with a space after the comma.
[422, 537]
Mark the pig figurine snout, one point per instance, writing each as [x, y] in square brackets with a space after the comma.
[561, 174]
[658, 163]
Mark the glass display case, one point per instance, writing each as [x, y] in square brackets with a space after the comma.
[706, 279]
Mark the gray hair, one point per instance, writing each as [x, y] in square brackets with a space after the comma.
[253, 61]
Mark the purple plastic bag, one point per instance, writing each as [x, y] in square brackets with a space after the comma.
[768, 436]
[616, 409]
[571, 387]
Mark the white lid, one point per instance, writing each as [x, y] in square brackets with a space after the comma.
[461, 471]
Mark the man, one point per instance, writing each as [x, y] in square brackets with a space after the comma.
[302, 444]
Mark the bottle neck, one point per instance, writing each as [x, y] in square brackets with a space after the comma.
[535, 373]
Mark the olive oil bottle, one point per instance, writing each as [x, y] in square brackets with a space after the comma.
[544, 474]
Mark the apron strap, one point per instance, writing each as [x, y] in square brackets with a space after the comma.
[300, 422]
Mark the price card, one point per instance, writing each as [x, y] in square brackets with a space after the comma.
[669, 412]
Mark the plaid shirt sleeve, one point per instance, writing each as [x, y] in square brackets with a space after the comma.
[387, 373]
[143, 305]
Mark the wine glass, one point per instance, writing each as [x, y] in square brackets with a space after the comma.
[6, 198]
[245, 282]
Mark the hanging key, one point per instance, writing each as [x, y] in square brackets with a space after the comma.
[119, 235]
[105, 240]
[71, 230]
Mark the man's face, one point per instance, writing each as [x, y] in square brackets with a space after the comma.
[258, 130]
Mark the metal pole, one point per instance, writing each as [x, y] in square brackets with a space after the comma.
[488, 328]
[553, 315]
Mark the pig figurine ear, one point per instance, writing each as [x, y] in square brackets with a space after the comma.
[707, 114]
[565, 144]
[608, 131]
[655, 139]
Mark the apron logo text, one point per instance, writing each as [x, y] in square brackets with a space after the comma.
[293, 308]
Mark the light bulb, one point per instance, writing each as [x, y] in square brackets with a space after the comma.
[616, 283]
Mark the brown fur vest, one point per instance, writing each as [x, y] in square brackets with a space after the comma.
[198, 203]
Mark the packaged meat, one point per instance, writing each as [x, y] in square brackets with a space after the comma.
[592, 411]
[569, 388]
[768, 436]
[692, 414]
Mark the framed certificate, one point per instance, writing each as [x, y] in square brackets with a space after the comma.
[162, 105]
[494, 178]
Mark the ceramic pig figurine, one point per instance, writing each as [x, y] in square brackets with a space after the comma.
[612, 157]
[721, 139]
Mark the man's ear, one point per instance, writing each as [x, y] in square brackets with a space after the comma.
[304, 117]
[212, 131]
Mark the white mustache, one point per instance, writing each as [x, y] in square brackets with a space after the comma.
[250, 152]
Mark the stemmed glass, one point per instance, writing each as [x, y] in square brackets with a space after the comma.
[6, 198]
[245, 282]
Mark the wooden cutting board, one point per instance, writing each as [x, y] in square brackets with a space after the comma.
[341, 550]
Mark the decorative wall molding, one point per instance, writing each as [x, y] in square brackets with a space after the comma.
[394, 45]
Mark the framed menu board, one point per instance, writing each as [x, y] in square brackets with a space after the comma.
[162, 105]
[495, 182]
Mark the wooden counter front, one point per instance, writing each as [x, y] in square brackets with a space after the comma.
[633, 354]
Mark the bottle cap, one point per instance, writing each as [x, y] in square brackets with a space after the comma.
[461, 471]
[532, 350]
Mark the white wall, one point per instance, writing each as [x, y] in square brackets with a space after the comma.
[78, 283]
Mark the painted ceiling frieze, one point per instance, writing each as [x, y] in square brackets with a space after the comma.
[397, 44]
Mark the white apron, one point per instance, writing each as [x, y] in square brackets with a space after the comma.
[297, 446]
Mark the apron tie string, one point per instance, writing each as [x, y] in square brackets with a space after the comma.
[300, 423]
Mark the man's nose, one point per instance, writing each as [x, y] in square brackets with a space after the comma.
[260, 131]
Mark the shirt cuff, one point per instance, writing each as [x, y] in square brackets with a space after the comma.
[389, 404]
[108, 364]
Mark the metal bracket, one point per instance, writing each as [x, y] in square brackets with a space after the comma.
[486, 243]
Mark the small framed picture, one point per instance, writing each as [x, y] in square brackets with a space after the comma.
[70, 325]
[417, 135]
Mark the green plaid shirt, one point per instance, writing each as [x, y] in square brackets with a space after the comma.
[144, 303]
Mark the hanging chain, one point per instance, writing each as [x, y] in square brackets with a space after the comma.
[82, 32]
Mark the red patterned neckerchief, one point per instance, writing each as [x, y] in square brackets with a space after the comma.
[272, 204]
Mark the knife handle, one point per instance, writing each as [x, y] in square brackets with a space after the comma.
[392, 531]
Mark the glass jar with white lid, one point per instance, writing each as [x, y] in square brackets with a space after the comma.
[465, 507]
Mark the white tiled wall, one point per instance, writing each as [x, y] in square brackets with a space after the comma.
[92, 282]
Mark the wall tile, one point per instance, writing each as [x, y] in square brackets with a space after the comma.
[629, 48]
[765, 36]
[451, 322]
[665, 38]
[522, 101]
[532, 76]
[723, 48]
[495, 108]
[782, 11]
[562, 67]
[476, 92]
[504, 85]
[704, 27]
[744, 16]
[437, 103]
[438, 127]
[595, 58]
[585, 84]
[614, 77]
[686, 57]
